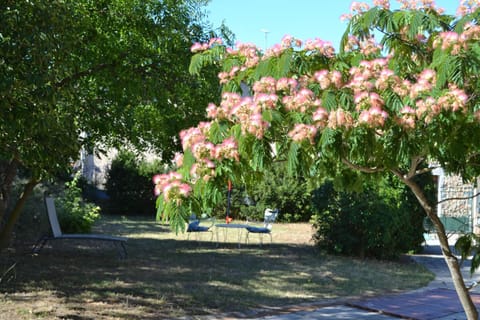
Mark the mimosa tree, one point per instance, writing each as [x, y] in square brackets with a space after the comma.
[402, 105]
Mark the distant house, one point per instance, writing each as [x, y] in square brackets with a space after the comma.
[94, 167]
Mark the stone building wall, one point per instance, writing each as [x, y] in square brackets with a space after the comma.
[453, 187]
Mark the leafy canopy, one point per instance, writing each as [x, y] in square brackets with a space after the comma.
[402, 104]
[87, 72]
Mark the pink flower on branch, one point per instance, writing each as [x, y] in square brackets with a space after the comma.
[266, 101]
[287, 84]
[385, 4]
[249, 52]
[406, 118]
[202, 150]
[190, 137]
[467, 7]
[358, 7]
[454, 99]
[320, 117]
[318, 46]
[265, 85]
[199, 47]
[204, 169]
[303, 132]
[171, 186]
[288, 41]
[255, 125]
[302, 101]
[228, 149]
[178, 159]
[373, 117]
[340, 119]
[365, 100]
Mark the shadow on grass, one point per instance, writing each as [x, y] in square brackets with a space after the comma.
[166, 276]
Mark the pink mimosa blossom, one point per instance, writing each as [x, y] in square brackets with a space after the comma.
[369, 47]
[320, 117]
[202, 149]
[176, 191]
[346, 17]
[243, 109]
[212, 111]
[198, 47]
[467, 7]
[287, 41]
[322, 77]
[250, 53]
[215, 41]
[402, 88]
[454, 99]
[321, 47]
[267, 101]
[274, 51]
[352, 43]
[407, 118]
[265, 85]
[385, 4]
[224, 77]
[385, 79]
[303, 132]
[340, 119]
[204, 169]
[470, 32]
[302, 101]
[255, 125]
[204, 127]
[336, 78]
[178, 159]
[358, 7]
[228, 149]
[191, 136]
[171, 186]
[373, 117]
[287, 84]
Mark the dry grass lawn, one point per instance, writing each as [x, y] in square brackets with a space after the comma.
[166, 276]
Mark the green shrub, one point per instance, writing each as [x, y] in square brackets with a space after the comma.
[380, 222]
[129, 185]
[74, 214]
[275, 190]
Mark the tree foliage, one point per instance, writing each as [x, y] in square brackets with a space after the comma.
[129, 185]
[89, 73]
[403, 105]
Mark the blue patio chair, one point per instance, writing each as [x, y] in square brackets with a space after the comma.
[270, 216]
[198, 226]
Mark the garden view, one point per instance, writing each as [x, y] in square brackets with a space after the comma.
[342, 142]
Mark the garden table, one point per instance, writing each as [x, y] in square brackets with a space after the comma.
[225, 226]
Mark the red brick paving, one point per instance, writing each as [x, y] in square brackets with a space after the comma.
[418, 305]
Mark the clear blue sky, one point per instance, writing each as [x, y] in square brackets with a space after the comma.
[303, 19]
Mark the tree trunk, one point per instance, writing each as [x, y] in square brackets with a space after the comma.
[8, 172]
[452, 261]
[6, 231]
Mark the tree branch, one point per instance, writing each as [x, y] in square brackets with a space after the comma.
[458, 198]
[361, 168]
[92, 70]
